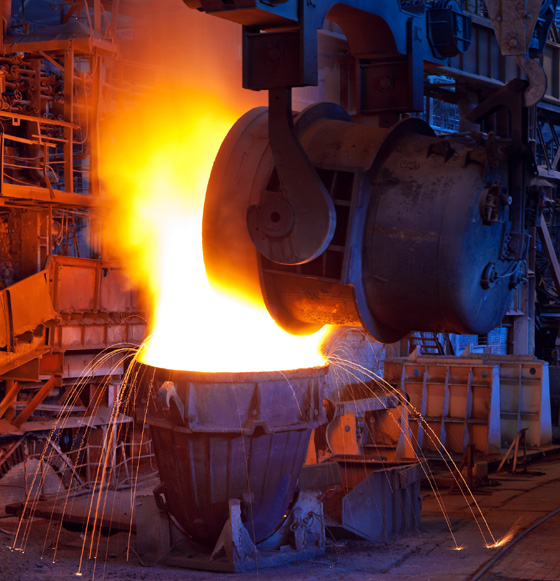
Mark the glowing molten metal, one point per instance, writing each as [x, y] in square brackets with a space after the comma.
[156, 163]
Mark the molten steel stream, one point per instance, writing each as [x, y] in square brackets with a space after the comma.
[156, 167]
[200, 329]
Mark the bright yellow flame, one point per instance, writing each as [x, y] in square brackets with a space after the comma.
[506, 538]
[156, 163]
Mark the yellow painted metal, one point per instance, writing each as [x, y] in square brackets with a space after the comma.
[485, 401]
[342, 436]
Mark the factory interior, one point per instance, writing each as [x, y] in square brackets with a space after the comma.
[195, 383]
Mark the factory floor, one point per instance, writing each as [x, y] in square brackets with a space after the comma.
[507, 501]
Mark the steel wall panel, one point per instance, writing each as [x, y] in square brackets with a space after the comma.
[75, 287]
[114, 291]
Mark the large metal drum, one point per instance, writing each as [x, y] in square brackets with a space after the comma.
[423, 238]
[222, 436]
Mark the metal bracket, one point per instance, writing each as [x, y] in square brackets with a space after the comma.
[513, 22]
[512, 98]
[519, 442]
[537, 80]
[298, 227]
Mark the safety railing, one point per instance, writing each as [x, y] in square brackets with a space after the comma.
[38, 152]
[95, 465]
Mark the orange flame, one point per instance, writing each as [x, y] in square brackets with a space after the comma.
[506, 538]
[155, 164]
[200, 329]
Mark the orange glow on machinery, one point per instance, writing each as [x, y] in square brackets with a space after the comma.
[156, 163]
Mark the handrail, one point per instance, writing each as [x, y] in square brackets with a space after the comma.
[39, 120]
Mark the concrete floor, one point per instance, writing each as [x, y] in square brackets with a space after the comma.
[427, 555]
